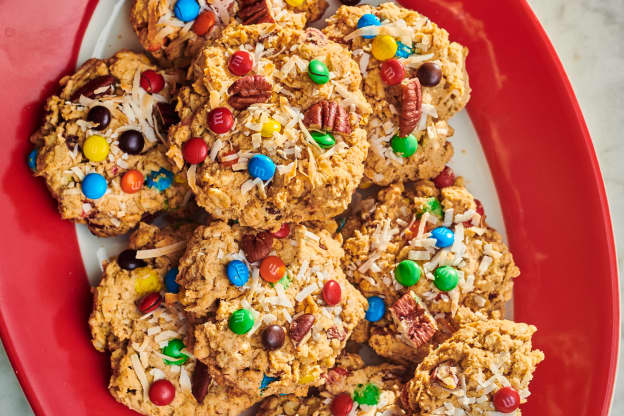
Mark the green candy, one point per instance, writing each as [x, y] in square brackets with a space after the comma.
[407, 273]
[241, 321]
[318, 72]
[404, 146]
[323, 139]
[445, 278]
[284, 281]
[366, 394]
[174, 349]
[432, 206]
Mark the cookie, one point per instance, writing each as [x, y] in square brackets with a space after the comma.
[100, 146]
[272, 145]
[415, 79]
[174, 31]
[420, 254]
[485, 367]
[350, 388]
[277, 310]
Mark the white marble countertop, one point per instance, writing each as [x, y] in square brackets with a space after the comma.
[588, 38]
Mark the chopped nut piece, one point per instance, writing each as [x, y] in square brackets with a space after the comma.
[414, 322]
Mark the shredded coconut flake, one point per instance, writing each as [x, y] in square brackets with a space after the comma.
[161, 251]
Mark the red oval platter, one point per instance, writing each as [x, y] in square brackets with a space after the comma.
[533, 135]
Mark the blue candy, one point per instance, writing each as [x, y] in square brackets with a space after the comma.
[444, 237]
[403, 51]
[32, 159]
[266, 380]
[186, 10]
[170, 281]
[261, 166]
[376, 309]
[159, 179]
[368, 20]
[237, 272]
[94, 186]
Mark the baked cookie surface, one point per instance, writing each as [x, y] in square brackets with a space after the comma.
[427, 257]
[414, 78]
[478, 370]
[277, 311]
[175, 31]
[272, 145]
[100, 146]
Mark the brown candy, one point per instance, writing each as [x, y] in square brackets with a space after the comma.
[88, 90]
[411, 104]
[257, 247]
[328, 116]
[301, 326]
[252, 12]
[249, 90]
[200, 381]
[408, 312]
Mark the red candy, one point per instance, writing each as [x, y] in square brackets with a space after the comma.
[220, 120]
[506, 400]
[162, 392]
[152, 81]
[283, 231]
[195, 150]
[392, 71]
[479, 210]
[341, 405]
[445, 178]
[332, 293]
[149, 303]
[240, 63]
[228, 162]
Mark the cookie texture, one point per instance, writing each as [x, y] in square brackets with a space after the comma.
[311, 181]
[398, 230]
[296, 308]
[420, 42]
[174, 42]
[464, 373]
[377, 387]
[109, 90]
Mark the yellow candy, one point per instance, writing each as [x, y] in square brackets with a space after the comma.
[147, 281]
[308, 378]
[95, 148]
[384, 47]
[269, 127]
[295, 3]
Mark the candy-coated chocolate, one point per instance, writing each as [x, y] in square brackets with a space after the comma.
[273, 337]
[151, 81]
[323, 139]
[204, 22]
[170, 281]
[220, 120]
[283, 232]
[506, 400]
[376, 309]
[149, 303]
[445, 178]
[332, 292]
[240, 63]
[269, 127]
[368, 20]
[445, 278]
[195, 150]
[131, 142]
[404, 146]
[186, 10]
[94, 186]
[272, 269]
[32, 159]
[432, 206]
[261, 166]
[226, 158]
[160, 179]
[127, 260]
[392, 71]
[162, 392]
[295, 3]
[444, 237]
[318, 72]
[429, 74]
[384, 47]
[174, 349]
[95, 148]
[407, 273]
[341, 405]
[403, 51]
[99, 115]
[266, 380]
[237, 272]
[367, 394]
[241, 321]
[132, 181]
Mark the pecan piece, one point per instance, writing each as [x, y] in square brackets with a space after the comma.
[329, 116]
[166, 116]
[249, 90]
[445, 374]
[252, 12]
[411, 104]
[336, 375]
[336, 333]
[414, 322]
[315, 36]
[90, 88]
[257, 247]
[300, 327]
[200, 381]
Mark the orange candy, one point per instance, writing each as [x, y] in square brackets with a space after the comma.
[204, 23]
[272, 269]
[132, 181]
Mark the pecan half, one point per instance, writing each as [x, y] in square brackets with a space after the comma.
[300, 327]
[414, 322]
[249, 90]
[445, 374]
[329, 116]
[411, 104]
[252, 12]
[90, 88]
[315, 36]
[257, 247]
[336, 333]
[200, 381]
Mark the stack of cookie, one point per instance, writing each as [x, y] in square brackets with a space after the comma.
[310, 215]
